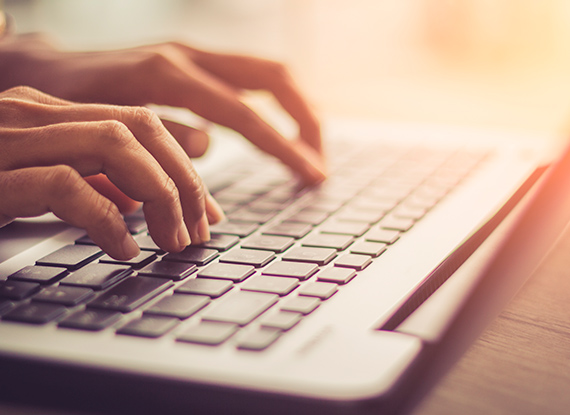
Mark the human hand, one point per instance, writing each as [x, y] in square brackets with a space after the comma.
[173, 74]
[49, 145]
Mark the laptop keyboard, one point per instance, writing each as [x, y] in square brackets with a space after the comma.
[282, 252]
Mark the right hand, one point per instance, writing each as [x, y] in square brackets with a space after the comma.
[49, 145]
[174, 74]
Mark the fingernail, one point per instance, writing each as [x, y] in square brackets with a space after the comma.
[214, 210]
[183, 236]
[129, 246]
[315, 174]
[204, 228]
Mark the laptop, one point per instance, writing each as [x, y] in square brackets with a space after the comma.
[352, 297]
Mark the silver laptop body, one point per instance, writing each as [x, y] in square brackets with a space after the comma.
[373, 345]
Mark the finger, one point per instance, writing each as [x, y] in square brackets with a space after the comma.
[28, 94]
[105, 187]
[214, 212]
[193, 141]
[106, 147]
[161, 147]
[22, 107]
[209, 98]
[252, 73]
[61, 190]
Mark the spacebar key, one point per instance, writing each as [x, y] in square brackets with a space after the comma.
[130, 293]
[240, 308]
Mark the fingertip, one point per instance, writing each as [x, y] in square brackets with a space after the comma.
[129, 247]
[214, 211]
[183, 236]
[314, 171]
[204, 229]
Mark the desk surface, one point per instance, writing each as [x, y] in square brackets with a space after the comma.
[520, 364]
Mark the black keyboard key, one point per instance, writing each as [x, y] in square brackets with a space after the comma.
[146, 243]
[374, 205]
[180, 306]
[322, 290]
[97, 276]
[221, 242]
[389, 193]
[130, 294]
[345, 227]
[282, 320]
[64, 295]
[142, 259]
[299, 304]
[327, 206]
[327, 240]
[135, 223]
[5, 305]
[205, 286]
[71, 257]
[266, 206]
[293, 229]
[232, 272]
[229, 196]
[229, 207]
[299, 270]
[17, 290]
[253, 257]
[241, 229]
[240, 308]
[374, 249]
[149, 326]
[259, 339]
[208, 332]
[39, 274]
[336, 275]
[319, 256]
[423, 202]
[359, 215]
[35, 313]
[270, 284]
[245, 215]
[193, 254]
[409, 212]
[91, 319]
[354, 261]
[176, 271]
[269, 243]
[397, 224]
[382, 235]
[311, 217]
[85, 240]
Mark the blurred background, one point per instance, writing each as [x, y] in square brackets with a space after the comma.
[493, 63]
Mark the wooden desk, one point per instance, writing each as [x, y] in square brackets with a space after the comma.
[521, 363]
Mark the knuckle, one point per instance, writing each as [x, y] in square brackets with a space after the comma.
[198, 188]
[23, 94]
[104, 214]
[61, 180]
[20, 90]
[277, 71]
[114, 133]
[154, 61]
[170, 192]
[144, 117]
